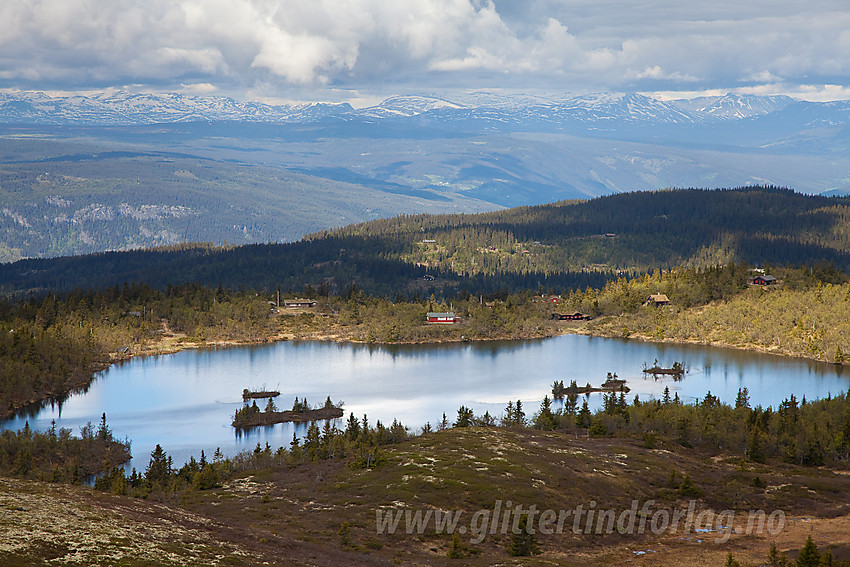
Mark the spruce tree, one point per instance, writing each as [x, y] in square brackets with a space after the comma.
[159, 467]
[809, 555]
[776, 559]
[584, 417]
[352, 428]
[464, 417]
[571, 403]
[743, 398]
[519, 414]
[103, 432]
[545, 419]
[508, 419]
[523, 540]
[756, 447]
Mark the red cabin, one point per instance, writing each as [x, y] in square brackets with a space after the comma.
[764, 280]
[445, 318]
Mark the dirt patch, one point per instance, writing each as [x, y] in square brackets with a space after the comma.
[77, 526]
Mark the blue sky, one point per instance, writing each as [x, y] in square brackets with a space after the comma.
[362, 49]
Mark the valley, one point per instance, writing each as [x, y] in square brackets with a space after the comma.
[122, 171]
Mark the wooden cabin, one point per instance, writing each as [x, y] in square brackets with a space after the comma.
[577, 316]
[657, 300]
[299, 303]
[443, 318]
[764, 280]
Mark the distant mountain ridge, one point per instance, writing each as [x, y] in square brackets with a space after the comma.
[122, 108]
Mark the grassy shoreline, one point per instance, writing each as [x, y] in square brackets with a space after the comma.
[604, 327]
[754, 321]
[172, 343]
[699, 342]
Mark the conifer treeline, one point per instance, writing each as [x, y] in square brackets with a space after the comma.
[51, 344]
[358, 443]
[58, 455]
[810, 433]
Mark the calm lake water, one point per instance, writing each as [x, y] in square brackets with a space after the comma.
[186, 401]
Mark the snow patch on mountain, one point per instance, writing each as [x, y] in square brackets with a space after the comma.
[407, 106]
[734, 106]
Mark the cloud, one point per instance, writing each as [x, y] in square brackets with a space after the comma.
[360, 44]
[198, 88]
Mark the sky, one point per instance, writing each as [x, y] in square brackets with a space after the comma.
[356, 50]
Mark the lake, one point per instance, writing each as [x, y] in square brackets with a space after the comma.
[186, 401]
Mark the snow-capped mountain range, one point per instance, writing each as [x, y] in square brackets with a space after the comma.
[602, 110]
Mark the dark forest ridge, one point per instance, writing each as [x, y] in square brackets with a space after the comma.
[561, 245]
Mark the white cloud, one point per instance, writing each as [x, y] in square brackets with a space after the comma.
[814, 93]
[198, 89]
[360, 44]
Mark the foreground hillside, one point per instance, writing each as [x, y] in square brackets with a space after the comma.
[325, 513]
[561, 246]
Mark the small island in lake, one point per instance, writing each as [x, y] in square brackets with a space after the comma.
[677, 371]
[611, 384]
[251, 416]
[259, 394]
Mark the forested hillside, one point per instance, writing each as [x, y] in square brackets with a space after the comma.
[630, 231]
[559, 246]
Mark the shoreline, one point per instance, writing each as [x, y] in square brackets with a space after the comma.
[180, 343]
[322, 337]
[581, 330]
[716, 344]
